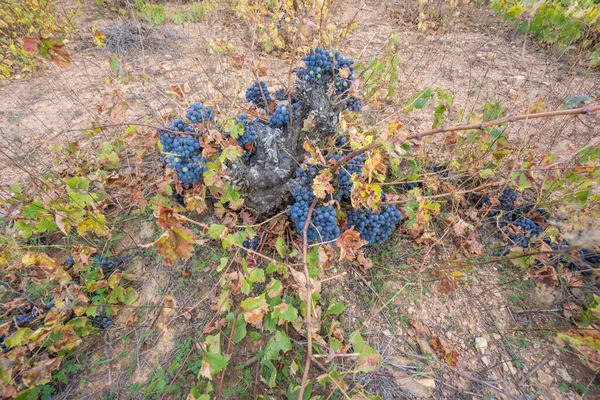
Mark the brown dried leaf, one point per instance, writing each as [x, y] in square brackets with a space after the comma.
[349, 242]
[365, 262]
[263, 68]
[177, 91]
[30, 44]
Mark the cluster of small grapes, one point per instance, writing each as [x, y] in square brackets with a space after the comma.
[344, 180]
[342, 140]
[318, 62]
[323, 224]
[27, 314]
[258, 93]
[354, 104]
[101, 321]
[251, 244]
[281, 115]
[589, 258]
[410, 186]
[343, 84]
[374, 227]
[281, 94]
[183, 151]
[250, 132]
[439, 169]
[110, 264]
[197, 113]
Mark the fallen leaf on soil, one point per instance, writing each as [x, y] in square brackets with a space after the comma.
[546, 276]
[459, 226]
[365, 262]
[408, 384]
[349, 242]
[571, 309]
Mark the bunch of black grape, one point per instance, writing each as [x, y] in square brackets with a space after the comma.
[251, 244]
[258, 93]
[250, 130]
[323, 224]
[588, 257]
[111, 264]
[27, 314]
[101, 321]
[343, 64]
[406, 186]
[197, 113]
[281, 115]
[355, 104]
[440, 169]
[318, 63]
[374, 227]
[344, 180]
[183, 150]
[281, 94]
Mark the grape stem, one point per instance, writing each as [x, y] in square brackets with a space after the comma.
[308, 319]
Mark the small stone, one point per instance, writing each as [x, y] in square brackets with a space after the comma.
[545, 378]
[497, 336]
[564, 375]
[168, 57]
[387, 333]
[449, 335]
[513, 94]
[486, 360]
[508, 367]
[481, 344]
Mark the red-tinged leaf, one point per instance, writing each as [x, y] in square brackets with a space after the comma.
[167, 216]
[447, 282]
[349, 242]
[30, 44]
[237, 60]
[176, 242]
[263, 68]
[322, 184]
[60, 56]
[452, 358]
[177, 91]
[7, 391]
[472, 246]
[546, 276]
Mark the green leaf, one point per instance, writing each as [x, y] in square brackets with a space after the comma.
[438, 116]
[240, 329]
[368, 359]
[335, 309]
[216, 231]
[486, 173]
[19, 338]
[217, 362]
[222, 264]
[280, 246]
